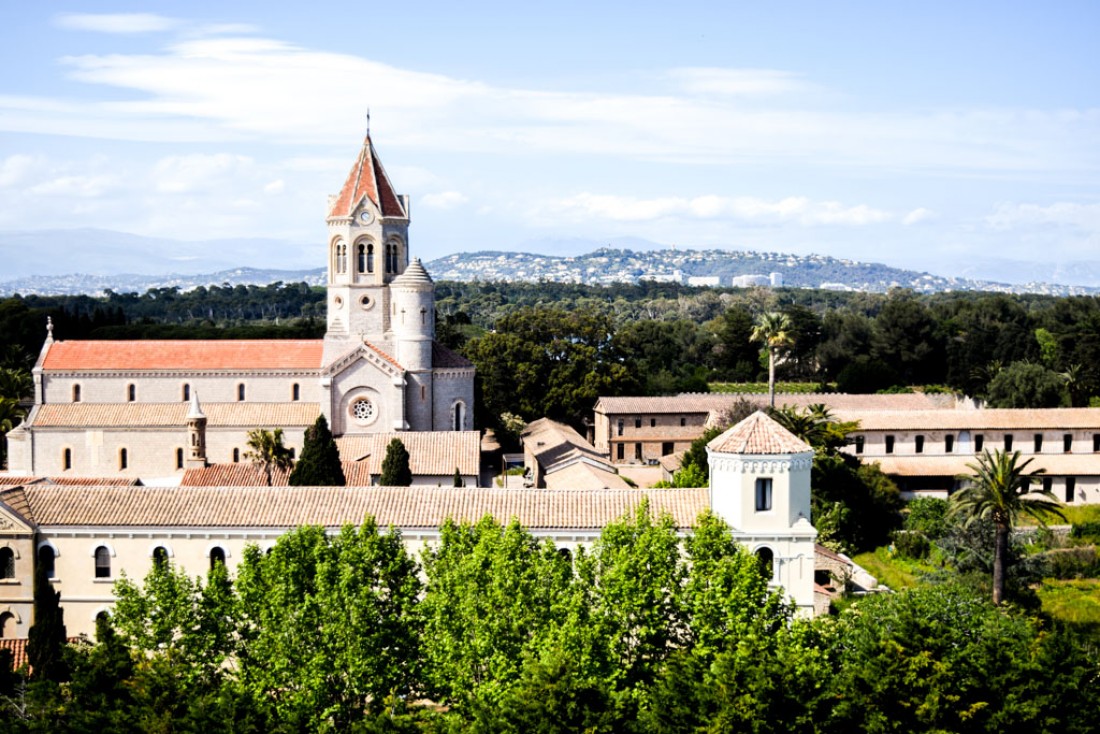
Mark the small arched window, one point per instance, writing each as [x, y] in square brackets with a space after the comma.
[370, 258]
[7, 625]
[102, 562]
[459, 416]
[7, 563]
[766, 558]
[123, 459]
[341, 258]
[131, 392]
[179, 458]
[186, 392]
[361, 258]
[236, 456]
[160, 556]
[47, 561]
[67, 459]
[217, 556]
[76, 393]
[295, 392]
[240, 393]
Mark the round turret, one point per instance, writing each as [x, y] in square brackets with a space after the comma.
[413, 317]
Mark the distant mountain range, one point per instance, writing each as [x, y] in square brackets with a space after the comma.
[92, 261]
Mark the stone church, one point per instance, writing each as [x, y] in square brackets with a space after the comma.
[153, 409]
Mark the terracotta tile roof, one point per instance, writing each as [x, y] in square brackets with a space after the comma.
[758, 434]
[384, 354]
[18, 647]
[8, 480]
[583, 475]
[431, 453]
[403, 507]
[191, 355]
[249, 415]
[1058, 465]
[707, 402]
[551, 442]
[446, 359]
[16, 500]
[985, 418]
[367, 178]
[356, 474]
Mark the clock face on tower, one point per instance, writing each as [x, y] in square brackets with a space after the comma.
[366, 217]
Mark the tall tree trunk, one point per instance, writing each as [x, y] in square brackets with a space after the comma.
[1000, 552]
[771, 376]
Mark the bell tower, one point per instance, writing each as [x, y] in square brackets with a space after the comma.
[368, 227]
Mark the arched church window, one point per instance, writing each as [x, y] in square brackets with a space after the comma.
[160, 556]
[341, 258]
[123, 459]
[186, 392]
[361, 259]
[370, 258]
[7, 563]
[236, 456]
[766, 558]
[76, 393]
[102, 562]
[67, 459]
[295, 392]
[240, 393]
[458, 416]
[131, 392]
[179, 458]
[7, 625]
[217, 556]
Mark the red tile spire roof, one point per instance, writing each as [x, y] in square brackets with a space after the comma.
[758, 434]
[367, 178]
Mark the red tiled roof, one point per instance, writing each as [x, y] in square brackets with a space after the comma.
[758, 434]
[431, 453]
[706, 402]
[383, 354]
[367, 178]
[251, 475]
[78, 415]
[194, 355]
[1058, 465]
[18, 647]
[408, 507]
[978, 419]
[9, 480]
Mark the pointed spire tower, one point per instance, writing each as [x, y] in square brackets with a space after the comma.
[196, 434]
[368, 227]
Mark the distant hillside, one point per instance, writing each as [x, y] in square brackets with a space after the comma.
[608, 265]
[96, 285]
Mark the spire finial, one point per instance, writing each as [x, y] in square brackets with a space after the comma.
[368, 122]
[49, 329]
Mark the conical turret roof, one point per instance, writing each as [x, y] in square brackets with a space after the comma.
[367, 179]
[195, 411]
[414, 274]
[758, 434]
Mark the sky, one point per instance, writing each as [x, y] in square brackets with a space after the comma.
[930, 135]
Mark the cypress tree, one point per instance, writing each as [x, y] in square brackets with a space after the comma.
[395, 467]
[46, 638]
[319, 465]
[458, 479]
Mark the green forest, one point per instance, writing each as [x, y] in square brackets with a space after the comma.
[491, 630]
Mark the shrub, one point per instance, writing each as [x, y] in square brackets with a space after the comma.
[927, 515]
[1085, 530]
[911, 544]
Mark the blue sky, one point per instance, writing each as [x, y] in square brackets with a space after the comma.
[929, 135]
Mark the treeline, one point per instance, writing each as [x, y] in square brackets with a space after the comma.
[494, 631]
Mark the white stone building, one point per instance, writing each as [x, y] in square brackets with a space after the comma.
[87, 536]
[120, 408]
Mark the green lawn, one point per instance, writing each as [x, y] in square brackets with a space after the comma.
[1074, 601]
[893, 571]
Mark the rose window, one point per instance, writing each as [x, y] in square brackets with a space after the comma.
[363, 410]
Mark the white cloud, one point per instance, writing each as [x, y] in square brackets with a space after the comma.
[116, 22]
[710, 80]
[91, 187]
[15, 168]
[793, 209]
[275, 187]
[1061, 214]
[198, 172]
[443, 200]
[920, 214]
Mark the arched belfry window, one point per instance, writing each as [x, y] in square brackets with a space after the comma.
[361, 258]
[102, 562]
[46, 560]
[341, 257]
[370, 258]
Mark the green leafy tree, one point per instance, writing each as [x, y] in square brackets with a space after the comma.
[266, 450]
[1025, 385]
[494, 597]
[46, 639]
[773, 330]
[330, 627]
[1000, 490]
[395, 466]
[319, 465]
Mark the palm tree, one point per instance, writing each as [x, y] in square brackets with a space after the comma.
[268, 451]
[1000, 491]
[773, 329]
